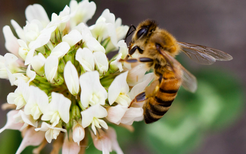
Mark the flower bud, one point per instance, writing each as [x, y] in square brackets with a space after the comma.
[78, 133]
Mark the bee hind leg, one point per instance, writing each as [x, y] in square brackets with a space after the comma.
[140, 98]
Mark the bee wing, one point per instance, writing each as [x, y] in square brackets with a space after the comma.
[188, 80]
[202, 54]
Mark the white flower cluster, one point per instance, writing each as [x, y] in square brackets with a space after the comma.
[66, 86]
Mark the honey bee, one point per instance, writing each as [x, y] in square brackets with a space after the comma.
[157, 48]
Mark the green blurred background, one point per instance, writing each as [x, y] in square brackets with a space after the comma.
[211, 121]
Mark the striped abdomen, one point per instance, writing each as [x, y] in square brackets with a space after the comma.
[160, 95]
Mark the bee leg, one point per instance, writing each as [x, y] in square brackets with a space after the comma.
[160, 78]
[145, 59]
[129, 32]
[139, 98]
[132, 50]
[141, 59]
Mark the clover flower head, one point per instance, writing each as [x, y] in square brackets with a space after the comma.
[67, 87]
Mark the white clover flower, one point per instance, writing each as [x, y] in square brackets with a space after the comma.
[122, 53]
[71, 78]
[78, 133]
[107, 141]
[51, 132]
[37, 63]
[27, 120]
[72, 37]
[31, 137]
[118, 91]
[81, 12]
[11, 42]
[37, 12]
[92, 115]
[20, 96]
[11, 122]
[69, 146]
[92, 92]
[60, 50]
[67, 85]
[37, 103]
[86, 59]
[57, 109]
[50, 67]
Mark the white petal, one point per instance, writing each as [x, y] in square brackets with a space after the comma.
[78, 133]
[43, 38]
[113, 137]
[118, 86]
[85, 58]
[20, 32]
[11, 43]
[31, 137]
[96, 111]
[3, 71]
[116, 64]
[131, 115]
[29, 56]
[38, 62]
[120, 29]
[51, 132]
[90, 85]
[72, 37]
[11, 123]
[21, 95]
[31, 74]
[84, 30]
[123, 48]
[93, 44]
[60, 50]
[101, 61]
[61, 104]
[107, 141]
[36, 11]
[110, 17]
[51, 66]
[116, 113]
[83, 11]
[28, 119]
[103, 123]
[23, 49]
[136, 74]
[140, 87]
[37, 103]
[71, 78]
[70, 147]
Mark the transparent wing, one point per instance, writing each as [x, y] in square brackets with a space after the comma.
[188, 80]
[202, 54]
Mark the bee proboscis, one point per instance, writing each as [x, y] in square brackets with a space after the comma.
[157, 48]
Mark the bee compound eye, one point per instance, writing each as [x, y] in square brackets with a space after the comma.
[143, 31]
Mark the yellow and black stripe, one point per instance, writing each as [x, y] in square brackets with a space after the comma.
[158, 104]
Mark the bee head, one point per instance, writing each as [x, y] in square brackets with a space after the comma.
[144, 29]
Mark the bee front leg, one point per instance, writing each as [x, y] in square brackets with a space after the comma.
[141, 59]
[132, 51]
[129, 32]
